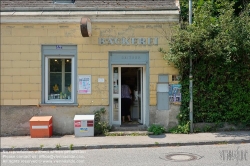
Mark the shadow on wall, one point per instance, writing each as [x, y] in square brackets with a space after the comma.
[15, 119]
[166, 118]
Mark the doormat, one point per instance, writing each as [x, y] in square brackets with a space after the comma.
[130, 124]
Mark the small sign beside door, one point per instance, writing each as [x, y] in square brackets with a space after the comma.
[84, 84]
[100, 79]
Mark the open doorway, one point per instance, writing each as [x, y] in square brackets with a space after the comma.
[135, 79]
[135, 67]
[132, 76]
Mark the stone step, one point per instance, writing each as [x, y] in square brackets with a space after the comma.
[129, 128]
[129, 133]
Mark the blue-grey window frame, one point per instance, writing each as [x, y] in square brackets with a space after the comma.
[60, 51]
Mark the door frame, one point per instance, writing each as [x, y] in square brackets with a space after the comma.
[143, 91]
[133, 59]
[141, 94]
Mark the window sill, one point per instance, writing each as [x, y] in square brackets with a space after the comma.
[60, 104]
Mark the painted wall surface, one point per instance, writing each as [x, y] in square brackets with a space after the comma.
[15, 119]
[21, 57]
[21, 70]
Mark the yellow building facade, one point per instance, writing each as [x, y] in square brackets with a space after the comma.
[21, 57]
[118, 48]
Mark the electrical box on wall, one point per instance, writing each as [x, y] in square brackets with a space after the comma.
[162, 93]
[162, 87]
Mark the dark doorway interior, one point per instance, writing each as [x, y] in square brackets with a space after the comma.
[129, 75]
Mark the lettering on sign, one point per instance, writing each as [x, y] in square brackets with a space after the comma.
[128, 41]
[131, 57]
[58, 47]
[84, 129]
[77, 123]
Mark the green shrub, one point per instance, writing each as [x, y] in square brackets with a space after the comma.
[181, 129]
[156, 129]
[219, 45]
[101, 126]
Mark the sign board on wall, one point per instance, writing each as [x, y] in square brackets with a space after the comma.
[175, 93]
[128, 41]
[84, 84]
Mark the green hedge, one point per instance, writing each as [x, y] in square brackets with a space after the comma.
[220, 50]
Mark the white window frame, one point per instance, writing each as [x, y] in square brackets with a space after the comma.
[46, 81]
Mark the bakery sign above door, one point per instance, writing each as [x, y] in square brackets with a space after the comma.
[128, 41]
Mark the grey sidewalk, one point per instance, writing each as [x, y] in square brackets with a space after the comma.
[100, 142]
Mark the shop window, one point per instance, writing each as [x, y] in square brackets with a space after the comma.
[59, 79]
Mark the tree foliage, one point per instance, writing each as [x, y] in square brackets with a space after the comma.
[238, 6]
[218, 42]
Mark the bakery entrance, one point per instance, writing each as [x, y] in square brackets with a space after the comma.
[134, 77]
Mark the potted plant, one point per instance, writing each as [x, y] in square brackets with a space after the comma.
[55, 90]
[63, 95]
[69, 92]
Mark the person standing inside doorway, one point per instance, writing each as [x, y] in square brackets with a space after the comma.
[126, 100]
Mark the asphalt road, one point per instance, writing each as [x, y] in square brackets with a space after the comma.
[204, 155]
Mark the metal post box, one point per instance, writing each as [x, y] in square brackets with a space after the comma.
[41, 126]
[84, 125]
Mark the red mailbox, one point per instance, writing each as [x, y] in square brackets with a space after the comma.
[41, 127]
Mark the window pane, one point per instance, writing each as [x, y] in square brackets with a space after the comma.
[68, 84]
[55, 65]
[115, 81]
[115, 109]
[68, 65]
[59, 79]
[55, 79]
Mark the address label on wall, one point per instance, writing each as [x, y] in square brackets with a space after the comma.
[58, 47]
[100, 79]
